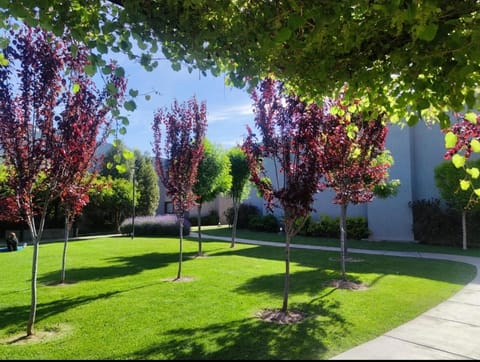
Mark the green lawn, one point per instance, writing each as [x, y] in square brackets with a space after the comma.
[122, 304]
[224, 230]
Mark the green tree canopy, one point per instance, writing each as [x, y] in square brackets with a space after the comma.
[410, 59]
[147, 184]
[213, 177]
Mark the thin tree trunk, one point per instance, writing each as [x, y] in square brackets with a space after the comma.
[179, 274]
[464, 229]
[33, 283]
[64, 256]
[343, 238]
[235, 221]
[199, 223]
[286, 285]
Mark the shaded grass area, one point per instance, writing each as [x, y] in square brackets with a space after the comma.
[119, 303]
[226, 231]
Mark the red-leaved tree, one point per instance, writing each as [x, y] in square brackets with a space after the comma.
[178, 154]
[44, 96]
[354, 159]
[82, 127]
[289, 140]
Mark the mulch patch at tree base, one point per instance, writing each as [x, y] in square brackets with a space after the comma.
[280, 317]
[347, 284]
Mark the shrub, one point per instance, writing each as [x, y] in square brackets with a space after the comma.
[329, 227]
[357, 228]
[210, 219]
[245, 212]
[160, 225]
[433, 224]
[268, 223]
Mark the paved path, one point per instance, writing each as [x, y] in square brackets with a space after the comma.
[451, 330]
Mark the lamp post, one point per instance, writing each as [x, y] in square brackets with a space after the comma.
[133, 204]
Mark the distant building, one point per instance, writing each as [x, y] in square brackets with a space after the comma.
[416, 151]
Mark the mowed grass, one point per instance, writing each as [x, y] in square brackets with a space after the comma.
[226, 231]
[121, 302]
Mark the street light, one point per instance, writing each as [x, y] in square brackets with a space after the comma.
[133, 204]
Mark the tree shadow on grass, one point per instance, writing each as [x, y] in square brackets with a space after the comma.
[459, 273]
[251, 338]
[12, 317]
[118, 267]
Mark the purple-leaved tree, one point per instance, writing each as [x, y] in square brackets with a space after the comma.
[42, 86]
[354, 159]
[290, 140]
[178, 154]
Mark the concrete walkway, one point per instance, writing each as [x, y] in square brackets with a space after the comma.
[451, 330]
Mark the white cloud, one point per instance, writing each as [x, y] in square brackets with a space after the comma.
[230, 112]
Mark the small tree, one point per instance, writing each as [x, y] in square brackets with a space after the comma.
[147, 181]
[177, 161]
[213, 179]
[290, 135]
[446, 180]
[42, 86]
[354, 159]
[240, 181]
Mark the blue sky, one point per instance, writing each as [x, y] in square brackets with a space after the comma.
[229, 109]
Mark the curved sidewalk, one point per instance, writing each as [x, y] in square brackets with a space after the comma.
[450, 330]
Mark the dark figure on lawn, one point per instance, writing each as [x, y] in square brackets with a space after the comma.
[12, 242]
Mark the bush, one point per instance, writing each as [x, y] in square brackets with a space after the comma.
[329, 227]
[160, 225]
[357, 228]
[268, 223]
[210, 219]
[433, 224]
[245, 212]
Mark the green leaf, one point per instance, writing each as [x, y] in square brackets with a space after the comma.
[124, 120]
[474, 172]
[121, 168]
[412, 120]
[450, 139]
[471, 117]
[458, 160]
[76, 87]
[106, 70]
[475, 144]
[4, 42]
[283, 35]
[477, 192]
[90, 69]
[128, 155]
[176, 66]
[130, 106]
[464, 184]
[120, 72]
[111, 88]
[427, 32]
[133, 92]
[3, 61]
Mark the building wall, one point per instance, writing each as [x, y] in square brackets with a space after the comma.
[416, 151]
